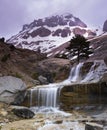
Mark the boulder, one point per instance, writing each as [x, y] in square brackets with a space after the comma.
[93, 126]
[42, 79]
[19, 98]
[23, 113]
[10, 88]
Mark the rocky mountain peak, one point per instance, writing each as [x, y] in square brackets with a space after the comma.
[105, 26]
[49, 33]
[55, 20]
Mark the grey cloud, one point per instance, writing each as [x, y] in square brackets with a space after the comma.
[15, 13]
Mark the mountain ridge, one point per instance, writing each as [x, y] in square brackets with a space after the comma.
[50, 32]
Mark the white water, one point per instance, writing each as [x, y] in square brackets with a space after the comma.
[75, 73]
[46, 98]
[63, 126]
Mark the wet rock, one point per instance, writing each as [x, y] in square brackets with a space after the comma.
[23, 113]
[58, 122]
[10, 87]
[93, 126]
[19, 98]
[85, 68]
[81, 94]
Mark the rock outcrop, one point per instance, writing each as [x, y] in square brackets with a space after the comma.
[105, 26]
[93, 126]
[83, 95]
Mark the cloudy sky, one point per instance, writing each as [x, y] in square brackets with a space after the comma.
[15, 13]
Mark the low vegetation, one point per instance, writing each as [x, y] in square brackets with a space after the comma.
[5, 57]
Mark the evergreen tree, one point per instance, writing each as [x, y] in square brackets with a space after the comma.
[79, 46]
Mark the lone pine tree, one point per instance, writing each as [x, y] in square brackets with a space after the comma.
[79, 46]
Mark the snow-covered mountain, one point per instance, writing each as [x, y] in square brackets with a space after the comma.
[50, 32]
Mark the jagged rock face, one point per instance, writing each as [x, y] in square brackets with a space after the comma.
[105, 26]
[49, 33]
[42, 32]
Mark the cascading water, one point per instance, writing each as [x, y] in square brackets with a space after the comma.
[46, 97]
[75, 73]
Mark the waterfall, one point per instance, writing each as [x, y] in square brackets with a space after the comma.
[46, 97]
[75, 73]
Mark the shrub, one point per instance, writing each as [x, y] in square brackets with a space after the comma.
[17, 75]
[5, 57]
[2, 39]
[35, 75]
[12, 47]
